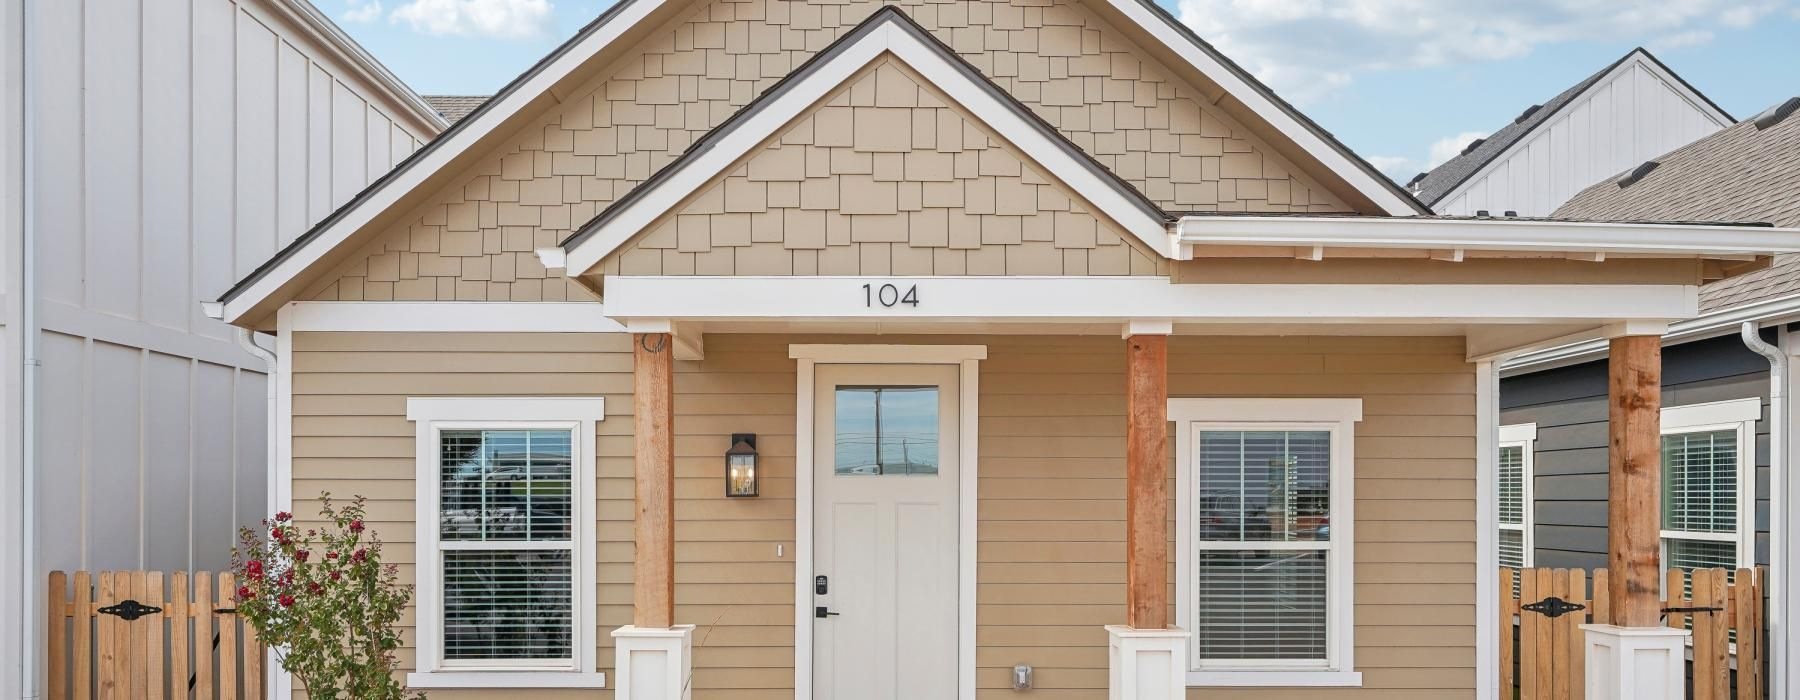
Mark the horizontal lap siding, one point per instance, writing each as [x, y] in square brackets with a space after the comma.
[1415, 493]
[1051, 511]
[1568, 404]
[351, 436]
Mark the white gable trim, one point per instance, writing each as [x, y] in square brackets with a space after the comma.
[1486, 234]
[1373, 186]
[763, 123]
[476, 127]
[1636, 59]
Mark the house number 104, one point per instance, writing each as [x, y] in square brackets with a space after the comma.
[889, 295]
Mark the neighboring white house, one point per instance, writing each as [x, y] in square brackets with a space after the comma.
[1629, 112]
[153, 153]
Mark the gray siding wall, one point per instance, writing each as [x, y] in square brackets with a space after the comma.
[1568, 405]
[175, 147]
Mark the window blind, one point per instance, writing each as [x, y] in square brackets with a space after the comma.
[1512, 485]
[1700, 472]
[505, 531]
[1262, 604]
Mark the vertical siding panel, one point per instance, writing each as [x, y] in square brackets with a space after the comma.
[62, 482]
[113, 157]
[57, 107]
[249, 409]
[213, 461]
[215, 124]
[290, 156]
[319, 116]
[256, 180]
[115, 471]
[378, 154]
[169, 292]
[168, 463]
[349, 139]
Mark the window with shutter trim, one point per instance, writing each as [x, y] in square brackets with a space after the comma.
[1264, 542]
[506, 542]
[1707, 484]
[1514, 482]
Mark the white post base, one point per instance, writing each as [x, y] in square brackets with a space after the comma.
[653, 663]
[1636, 663]
[1146, 664]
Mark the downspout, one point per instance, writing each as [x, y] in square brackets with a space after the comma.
[246, 339]
[1751, 332]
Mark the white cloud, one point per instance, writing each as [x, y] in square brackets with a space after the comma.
[361, 11]
[1308, 48]
[1681, 39]
[1451, 146]
[505, 19]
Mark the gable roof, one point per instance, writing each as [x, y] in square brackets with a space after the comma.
[888, 31]
[454, 107]
[1743, 173]
[1441, 181]
[252, 298]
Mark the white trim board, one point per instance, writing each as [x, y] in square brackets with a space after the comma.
[808, 357]
[888, 37]
[576, 414]
[1310, 139]
[451, 317]
[1711, 325]
[1487, 532]
[1122, 299]
[1337, 415]
[1486, 234]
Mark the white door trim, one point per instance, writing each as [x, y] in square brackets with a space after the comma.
[968, 357]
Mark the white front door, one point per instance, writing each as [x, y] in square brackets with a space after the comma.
[885, 532]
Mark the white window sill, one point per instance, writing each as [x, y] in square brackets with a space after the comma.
[505, 679]
[1275, 679]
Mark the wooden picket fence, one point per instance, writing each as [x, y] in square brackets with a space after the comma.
[191, 646]
[1548, 659]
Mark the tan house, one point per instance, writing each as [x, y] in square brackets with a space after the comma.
[775, 349]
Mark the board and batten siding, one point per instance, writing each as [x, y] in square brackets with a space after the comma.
[1051, 488]
[1568, 404]
[175, 146]
[1632, 116]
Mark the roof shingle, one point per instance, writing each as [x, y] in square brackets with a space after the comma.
[454, 107]
[1738, 174]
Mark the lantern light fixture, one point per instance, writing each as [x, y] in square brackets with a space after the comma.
[740, 466]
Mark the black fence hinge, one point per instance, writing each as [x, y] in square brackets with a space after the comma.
[1553, 607]
[1692, 610]
[129, 610]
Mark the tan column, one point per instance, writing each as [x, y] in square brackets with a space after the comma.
[1147, 481]
[1634, 480]
[653, 422]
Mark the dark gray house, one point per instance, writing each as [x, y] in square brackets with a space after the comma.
[1725, 422]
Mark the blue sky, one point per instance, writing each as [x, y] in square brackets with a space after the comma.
[1404, 82]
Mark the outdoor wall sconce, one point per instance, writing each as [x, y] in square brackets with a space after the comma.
[740, 466]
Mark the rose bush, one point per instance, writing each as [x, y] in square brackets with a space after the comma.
[324, 601]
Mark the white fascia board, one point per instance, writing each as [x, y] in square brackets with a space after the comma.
[479, 127]
[1721, 322]
[1123, 299]
[1369, 185]
[762, 124]
[451, 317]
[1486, 234]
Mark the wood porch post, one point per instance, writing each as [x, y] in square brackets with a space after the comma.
[653, 421]
[1147, 481]
[1634, 480]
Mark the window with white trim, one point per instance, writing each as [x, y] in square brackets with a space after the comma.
[1517, 452]
[1264, 539]
[505, 521]
[1709, 484]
